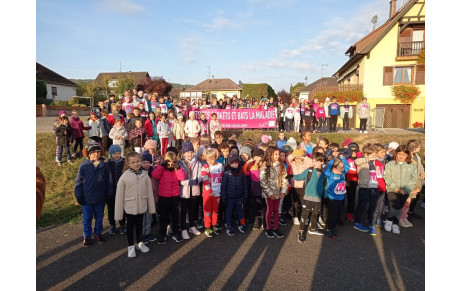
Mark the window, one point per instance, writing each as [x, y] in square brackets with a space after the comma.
[54, 91]
[398, 75]
[113, 84]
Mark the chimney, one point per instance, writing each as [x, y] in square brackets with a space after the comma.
[392, 8]
[212, 77]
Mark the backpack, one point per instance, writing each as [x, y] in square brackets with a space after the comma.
[310, 172]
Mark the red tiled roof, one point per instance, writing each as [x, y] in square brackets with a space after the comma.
[215, 85]
[49, 76]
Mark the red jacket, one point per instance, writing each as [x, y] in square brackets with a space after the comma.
[380, 168]
[352, 174]
[148, 127]
[168, 181]
[111, 120]
[77, 126]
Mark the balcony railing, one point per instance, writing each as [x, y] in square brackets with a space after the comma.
[410, 48]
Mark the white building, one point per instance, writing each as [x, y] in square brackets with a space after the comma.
[57, 86]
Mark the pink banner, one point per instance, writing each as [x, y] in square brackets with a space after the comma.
[242, 118]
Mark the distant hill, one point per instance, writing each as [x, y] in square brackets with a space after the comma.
[78, 81]
[176, 85]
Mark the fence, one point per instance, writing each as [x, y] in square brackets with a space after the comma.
[338, 88]
[46, 110]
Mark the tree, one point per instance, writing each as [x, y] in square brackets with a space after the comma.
[41, 93]
[105, 85]
[158, 85]
[257, 90]
[124, 83]
[284, 96]
[294, 90]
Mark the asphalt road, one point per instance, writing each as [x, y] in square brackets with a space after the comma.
[353, 261]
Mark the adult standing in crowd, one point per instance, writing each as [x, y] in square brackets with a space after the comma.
[363, 109]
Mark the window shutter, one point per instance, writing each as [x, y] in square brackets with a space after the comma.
[405, 35]
[387, 76]
[420, 75]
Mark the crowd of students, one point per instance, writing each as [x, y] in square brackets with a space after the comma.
[193, 181]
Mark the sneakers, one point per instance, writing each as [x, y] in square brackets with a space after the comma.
[360, 131]
[162, 240]
[59, 164]
[177, 238]
[199, 225]
[372, 230]
[315, 231]
[194, 230]
[113, 230]
[319, 226]
[142, 247]
[350, 217]
[365, 131]
[360, 227]
[296, 221]
[242, 228]
[150, 237]
[86, 241]
[145, 240]
[269, 233]
[185, 234]
[257, 223]
[330, 234]
[230, 231]
[387, 225]
[169, 230]
[395, 229]
[301, 236]
[277, 233]
[99, 239]
[74, 155]
[122, 229]
[131, 252]
[281, 221]
[405, 223]
[216, 230]
[321, 221]
[208, 232]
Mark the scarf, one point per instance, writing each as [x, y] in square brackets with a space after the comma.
[138, 173]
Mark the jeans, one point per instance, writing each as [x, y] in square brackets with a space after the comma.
[78, 142]
[351, 195]
[367, 197]
[309, 208]
[95, 210]
[230, 204]
[321, 124]
[169, 210]
[332, 123]
[289, 124]
[334, 209]
[59, 153]
[346, 123]
[362, 124]
[297, 198]
[188, 206]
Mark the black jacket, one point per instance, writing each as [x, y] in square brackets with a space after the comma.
[116, 169]
[64, 139]
[234, 183]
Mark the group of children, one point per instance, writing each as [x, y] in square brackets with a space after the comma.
[216, 184]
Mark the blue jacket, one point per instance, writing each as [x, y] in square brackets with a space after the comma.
[93, 184]
[314, 190]
[234, 183]
[281, 143]
[105, 126]
[336, 183]
[334, 109]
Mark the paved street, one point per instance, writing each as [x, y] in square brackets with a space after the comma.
[353, 261]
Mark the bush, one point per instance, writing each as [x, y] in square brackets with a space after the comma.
[257, 90]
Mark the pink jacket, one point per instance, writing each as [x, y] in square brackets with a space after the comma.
[299, 168]
[320, 112]
[168, 181]
[78, 127]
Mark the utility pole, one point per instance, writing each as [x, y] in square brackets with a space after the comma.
[120, 66]
[322, 71]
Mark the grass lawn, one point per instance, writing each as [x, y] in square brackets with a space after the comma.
[61, 206]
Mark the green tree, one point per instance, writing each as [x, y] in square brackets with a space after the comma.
[124, 83]
[41, 93]
[257, 90]
[105, 86]
[294, 90]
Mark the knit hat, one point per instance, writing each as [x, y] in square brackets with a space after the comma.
[393, 145]
[298, 153]
[200, 151]
[179, 115]
[327, 99]
[92, 146]
[114, 149]
[233, 158]
[245, 150]
[187, 147]
[258, 152]
[172, 149]
[346, 142]
[354, 146]
[150, 144]
[265, 138]
[290, 145]
[146, 156]
[250, 145]
[62, 112]
[234, 147]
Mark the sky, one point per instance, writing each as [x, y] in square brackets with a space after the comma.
[255, 41]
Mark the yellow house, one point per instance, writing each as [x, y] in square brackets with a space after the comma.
[387, 57]
[219, 88]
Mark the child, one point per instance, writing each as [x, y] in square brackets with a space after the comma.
[212, 173]
[192, 127]
[346, 113]
[392, 146]
[352, 181]
[105, 129]
[116, 165]
[334, 111]
[321, 116]
[118, 135]
[224, 150]
[257, 204]
[171, 120]
[306, 145]
[368, 192]
[314, 191]
[335, 173]
[310, 118]
[380, 169]
[401, 179]
[134, 197]
[204, 124]
[299, 163]
[234, 193]
[205, 140]
[147, 165]
[218, 137]
[64, 134]
[95, 132]
[169, 173]
[189, 190]
[178, 130]
[163, 133]
[93, 186]
[324, 143]
[151, 127]
[78, 133]
[274, 186]
[414, 148]
[281, 140]
[138, 136]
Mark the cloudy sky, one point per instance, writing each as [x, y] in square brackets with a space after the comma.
[255, 41]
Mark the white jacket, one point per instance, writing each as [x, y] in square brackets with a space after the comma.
[192, 128]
